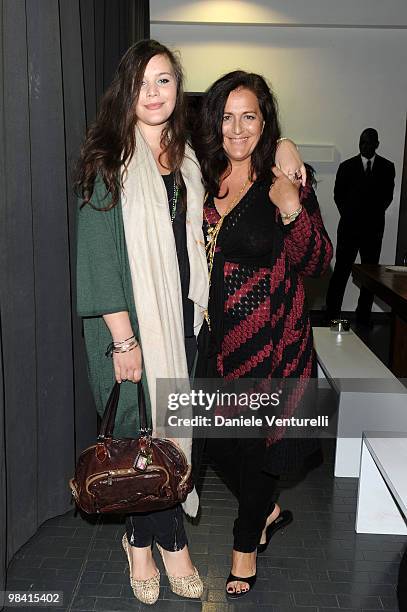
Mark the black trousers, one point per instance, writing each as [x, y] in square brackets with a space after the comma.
[240, 461]
[165, 526]
[368, 242]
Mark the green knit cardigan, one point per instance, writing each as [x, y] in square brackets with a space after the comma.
[104, 286]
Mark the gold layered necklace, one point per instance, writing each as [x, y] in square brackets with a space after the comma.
[213, 233]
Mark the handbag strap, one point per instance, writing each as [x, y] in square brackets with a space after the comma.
[144, 429]
[109, 415]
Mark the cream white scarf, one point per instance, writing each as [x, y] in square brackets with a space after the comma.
[155, 273]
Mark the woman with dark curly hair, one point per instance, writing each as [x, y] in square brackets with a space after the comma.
[264, 232]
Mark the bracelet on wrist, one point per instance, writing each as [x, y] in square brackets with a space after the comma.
[285, 138]
[292, 215]
[123, 346]
[123, 341]
[126, 350]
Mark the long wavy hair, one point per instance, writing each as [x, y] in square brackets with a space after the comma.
[208, 138]
[111, 140]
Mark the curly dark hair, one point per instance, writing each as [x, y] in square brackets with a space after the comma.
[208, 138]
[110, 141]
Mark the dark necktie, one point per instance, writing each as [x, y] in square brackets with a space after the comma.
[369, 169]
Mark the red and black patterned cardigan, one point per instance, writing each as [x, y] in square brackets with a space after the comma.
[301, 248]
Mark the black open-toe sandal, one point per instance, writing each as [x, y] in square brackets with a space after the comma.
[251, 581]
[284, 518]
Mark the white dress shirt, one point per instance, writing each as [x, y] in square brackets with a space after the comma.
[365, 160]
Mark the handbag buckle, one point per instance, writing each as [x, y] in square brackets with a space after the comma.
[142, 461]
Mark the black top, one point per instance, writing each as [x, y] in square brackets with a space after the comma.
[247, 231]
[247, 238]
[180, 235]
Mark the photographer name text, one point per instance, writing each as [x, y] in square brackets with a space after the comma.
[251, 421]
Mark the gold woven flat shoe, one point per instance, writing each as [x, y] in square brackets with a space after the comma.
[186, 586]
[147, 591]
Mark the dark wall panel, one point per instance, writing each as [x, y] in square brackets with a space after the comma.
[51, 258]
[18, 308]
[3, 497]
[100, 35]
[3, 490]
[111, 40]
[75, 126]
[401, 252]
[88, 60]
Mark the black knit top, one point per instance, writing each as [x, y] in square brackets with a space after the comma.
[179, 228]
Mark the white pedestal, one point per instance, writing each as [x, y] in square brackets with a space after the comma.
[370, 397]
[382, 494]
[360, 411]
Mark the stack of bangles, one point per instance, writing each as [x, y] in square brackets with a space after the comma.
[291, 216]
[125, 346]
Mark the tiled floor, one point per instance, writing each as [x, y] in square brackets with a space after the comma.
[318, 565]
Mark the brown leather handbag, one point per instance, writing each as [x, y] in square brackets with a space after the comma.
[126, 475]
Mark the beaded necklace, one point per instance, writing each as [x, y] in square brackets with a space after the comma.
[174, 201]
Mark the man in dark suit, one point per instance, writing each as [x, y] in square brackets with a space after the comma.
[363, 191]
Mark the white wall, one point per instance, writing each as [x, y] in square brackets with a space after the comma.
[331, 82]
[326, 12]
